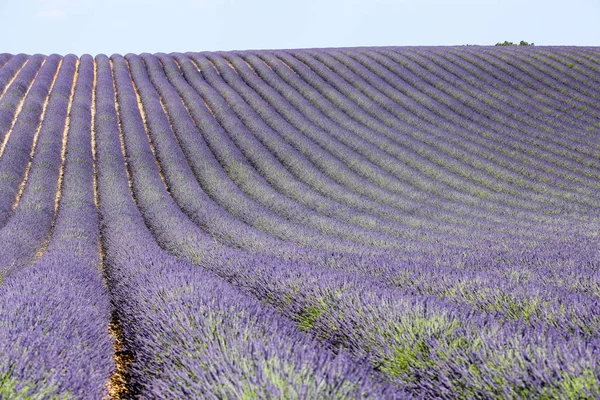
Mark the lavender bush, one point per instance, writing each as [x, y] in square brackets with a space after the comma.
[379, 222]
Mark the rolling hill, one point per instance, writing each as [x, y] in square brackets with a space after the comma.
[386, 222]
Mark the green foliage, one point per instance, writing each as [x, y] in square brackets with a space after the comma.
[9, 390]
[311, 314]
[521, 43]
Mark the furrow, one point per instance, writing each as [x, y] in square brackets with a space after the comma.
[146, 129]
[20, 59]
[6, 137]
[35, 140]
[159, 321]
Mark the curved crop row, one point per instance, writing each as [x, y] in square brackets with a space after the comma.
[55, 312]
[34, 209]
[319, 223]
[189, 333]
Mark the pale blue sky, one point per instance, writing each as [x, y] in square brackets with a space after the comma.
[136, 26]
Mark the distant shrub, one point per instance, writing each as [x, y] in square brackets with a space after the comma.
[521, 43]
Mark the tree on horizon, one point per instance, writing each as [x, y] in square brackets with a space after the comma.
[521, 43]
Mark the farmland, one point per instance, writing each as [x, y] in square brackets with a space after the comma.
[388, 222]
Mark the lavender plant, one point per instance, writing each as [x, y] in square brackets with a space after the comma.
[320, 223]
[189, 333]
[56, 311]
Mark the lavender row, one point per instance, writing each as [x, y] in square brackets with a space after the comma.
[581, 61]
[390, 181]
[382, 114]
[542, 109]
[279, 176]
[181, 182]
[264, 73]
[383, 187]
[168, 153]
[168, 223]
[174, 107]
[55, 341]
[177, 173]
[300, 291]
[589, 54]
[323, 155]
[577, 142]
[274, 138]
[577, 85]
[486, 60]
[157, 208]
[543, 188]
[522, 110]
[589, 193]
[385, 92]
[9, 70]
[263, 108]
[163, 215]
[9, 104]
[555, 283]
[533, 154]
[4, 58]
[348, 116]
[543, 305]
[13, 95]
[366, 112]
[377, 155]
[191, 334]
[532, 86]
[332, 305]
[263, 178]
[209, 67]
[510, 61]
[235, 199]
[13, 161]
[25, 231]
[505, 309]
[475, 116]
[454, 204]
[566, 176]
[560, 60]
[432, 347]
[421, 340]
[427, 154]
[499, 86]
[565, 77]
[576, 62]
[586, 62]
[403, 153]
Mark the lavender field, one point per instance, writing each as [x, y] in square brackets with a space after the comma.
[359, 223]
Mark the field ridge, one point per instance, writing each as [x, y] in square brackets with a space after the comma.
[368, 222]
